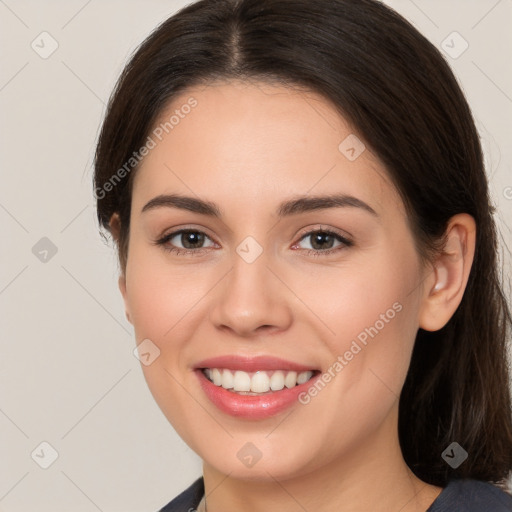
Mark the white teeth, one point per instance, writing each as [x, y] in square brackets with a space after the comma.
[277, 381]
[216, 376]
[290, 380]
[227, 379]
[260, 382]
[303, 377]
[256, 382]
[241, 381]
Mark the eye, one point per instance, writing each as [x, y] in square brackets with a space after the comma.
[321, 242]
[191, 240]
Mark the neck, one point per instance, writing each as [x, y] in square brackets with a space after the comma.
[374, 476]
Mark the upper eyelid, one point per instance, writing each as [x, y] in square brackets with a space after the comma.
[175, 232]
[339, 232]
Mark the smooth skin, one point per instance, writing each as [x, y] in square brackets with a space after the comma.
[247, 147]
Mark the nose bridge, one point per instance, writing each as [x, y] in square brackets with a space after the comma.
[251, 296]
[250, 274]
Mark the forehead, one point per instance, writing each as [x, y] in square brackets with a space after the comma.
[240, 140]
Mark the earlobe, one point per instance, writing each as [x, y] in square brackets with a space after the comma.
[122, 285]
[115, 226]
[122, 288]
[450, 273]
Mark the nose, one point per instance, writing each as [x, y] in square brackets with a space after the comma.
[252, 300]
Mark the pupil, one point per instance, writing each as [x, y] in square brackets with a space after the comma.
[193, 237]
[317, 240]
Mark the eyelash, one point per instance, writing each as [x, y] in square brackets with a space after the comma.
[163, 241]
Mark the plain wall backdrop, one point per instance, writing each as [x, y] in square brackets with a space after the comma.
[68, 376]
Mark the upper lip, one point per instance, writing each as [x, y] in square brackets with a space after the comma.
[252, 364]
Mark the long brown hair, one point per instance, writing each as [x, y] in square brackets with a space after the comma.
[401, 96]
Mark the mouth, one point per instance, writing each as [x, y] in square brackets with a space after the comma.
[260, 382]
[254, 388]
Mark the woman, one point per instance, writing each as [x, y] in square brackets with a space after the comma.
[308, 258]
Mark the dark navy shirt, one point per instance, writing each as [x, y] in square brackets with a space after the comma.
[457, 496]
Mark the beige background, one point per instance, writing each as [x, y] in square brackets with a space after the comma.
[68, 376]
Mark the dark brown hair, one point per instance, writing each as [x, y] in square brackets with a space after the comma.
[397, 90]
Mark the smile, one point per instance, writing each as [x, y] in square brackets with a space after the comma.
[258, 382]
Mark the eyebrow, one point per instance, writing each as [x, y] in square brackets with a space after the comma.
[294, 206]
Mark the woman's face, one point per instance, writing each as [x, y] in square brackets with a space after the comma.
[261, 278]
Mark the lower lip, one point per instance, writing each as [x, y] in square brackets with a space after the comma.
[252, 406]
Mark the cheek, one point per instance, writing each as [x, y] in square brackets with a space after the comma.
[161, 296]
[370, 292]
[371, 313]
[164, 303]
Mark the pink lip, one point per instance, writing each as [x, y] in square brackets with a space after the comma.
[251, 406]
[252, 364]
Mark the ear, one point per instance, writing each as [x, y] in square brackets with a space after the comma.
[122, 288]
[115, 228]
[448, 279]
